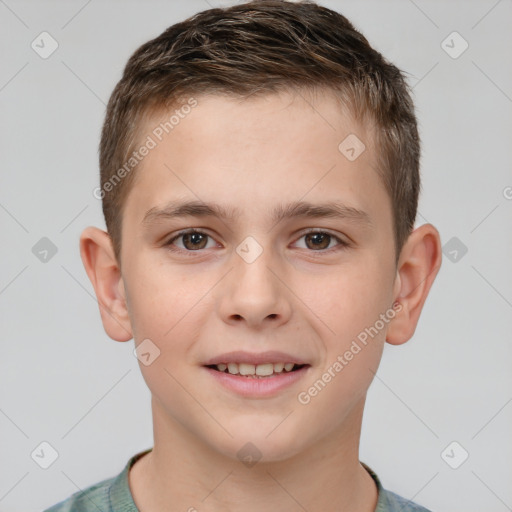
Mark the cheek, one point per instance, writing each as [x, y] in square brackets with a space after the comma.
[351, 305]
[161, 301]
[352, 300]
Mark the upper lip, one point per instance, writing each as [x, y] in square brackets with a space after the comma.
[241, 356]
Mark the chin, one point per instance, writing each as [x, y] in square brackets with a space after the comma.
[258, 443]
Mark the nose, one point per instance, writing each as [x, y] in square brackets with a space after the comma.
[255, 292]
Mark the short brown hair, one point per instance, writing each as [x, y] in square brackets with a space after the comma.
[258, 47]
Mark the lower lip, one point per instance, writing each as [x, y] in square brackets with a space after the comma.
[254, 387]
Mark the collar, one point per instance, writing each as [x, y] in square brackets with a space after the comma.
[120, 495]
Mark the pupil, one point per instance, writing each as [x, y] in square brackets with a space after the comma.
[195, 238]
[323, 236]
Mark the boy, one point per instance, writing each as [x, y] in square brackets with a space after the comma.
[259, 178]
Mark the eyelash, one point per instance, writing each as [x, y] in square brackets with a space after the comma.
[341, 243]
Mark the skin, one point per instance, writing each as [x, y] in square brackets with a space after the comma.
[312, 302]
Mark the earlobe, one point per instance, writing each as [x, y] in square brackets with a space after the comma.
[419, 263]
[102, 268]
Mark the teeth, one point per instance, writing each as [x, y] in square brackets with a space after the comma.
[233, 368]
[278, 367]
[261, 370]
[246, 369]
[264, 369]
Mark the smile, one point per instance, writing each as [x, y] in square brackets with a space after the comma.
[246, 380]
[256, 370]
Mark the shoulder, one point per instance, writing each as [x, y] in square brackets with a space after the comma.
[91, 499]
[110, 495]
[391, 502]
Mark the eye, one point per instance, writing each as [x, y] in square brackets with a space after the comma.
[192, 240]
[319, 240]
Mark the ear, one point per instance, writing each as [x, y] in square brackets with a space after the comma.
[419, 262]
[102, 268]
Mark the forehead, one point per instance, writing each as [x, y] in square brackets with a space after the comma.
[244, 154]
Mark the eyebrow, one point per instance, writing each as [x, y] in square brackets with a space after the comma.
[302, 209]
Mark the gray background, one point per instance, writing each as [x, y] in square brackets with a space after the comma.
[65, 382]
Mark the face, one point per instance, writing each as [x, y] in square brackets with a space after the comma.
[269, 281]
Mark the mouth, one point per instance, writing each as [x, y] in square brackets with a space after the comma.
[256, 375]
[257, 371]
[257, 381]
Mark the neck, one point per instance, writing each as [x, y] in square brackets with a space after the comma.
[183, 474]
